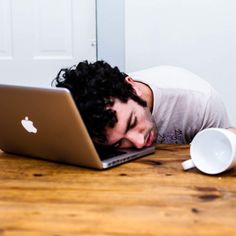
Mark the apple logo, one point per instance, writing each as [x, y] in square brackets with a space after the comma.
[28, 125]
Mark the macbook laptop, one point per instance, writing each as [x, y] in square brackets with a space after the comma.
[45, 123]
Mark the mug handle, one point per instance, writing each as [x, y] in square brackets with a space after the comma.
[188, 164]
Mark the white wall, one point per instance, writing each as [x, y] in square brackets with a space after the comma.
[199, 35]
[110, 32]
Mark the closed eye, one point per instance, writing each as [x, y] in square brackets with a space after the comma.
[133, 123]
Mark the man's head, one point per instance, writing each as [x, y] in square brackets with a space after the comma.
[107, 101]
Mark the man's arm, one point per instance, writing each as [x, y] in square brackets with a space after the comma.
[233, 130]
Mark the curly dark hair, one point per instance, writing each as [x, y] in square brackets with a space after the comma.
[93, 87]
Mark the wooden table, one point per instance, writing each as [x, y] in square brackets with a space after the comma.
[149, 196]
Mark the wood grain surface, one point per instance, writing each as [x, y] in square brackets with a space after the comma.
[149, 196]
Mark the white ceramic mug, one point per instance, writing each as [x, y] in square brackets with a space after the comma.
[212, 151]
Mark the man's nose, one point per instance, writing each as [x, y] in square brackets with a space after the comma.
[137, 139]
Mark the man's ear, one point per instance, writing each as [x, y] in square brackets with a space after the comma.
[134, 84]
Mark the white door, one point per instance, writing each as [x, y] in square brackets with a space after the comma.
[39, 37]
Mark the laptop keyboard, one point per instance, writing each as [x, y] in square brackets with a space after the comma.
[106, 153]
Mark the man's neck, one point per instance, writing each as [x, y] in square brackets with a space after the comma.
[146, 93]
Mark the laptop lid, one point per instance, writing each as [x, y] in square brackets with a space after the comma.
[45, 123]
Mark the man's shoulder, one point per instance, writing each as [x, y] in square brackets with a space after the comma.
[166, 76]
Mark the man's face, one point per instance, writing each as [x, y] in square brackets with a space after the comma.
[135, 126]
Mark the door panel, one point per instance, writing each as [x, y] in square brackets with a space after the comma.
[5, 30]
[53, 39]
[39, 37]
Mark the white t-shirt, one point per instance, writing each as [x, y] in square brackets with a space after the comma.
[183, 103]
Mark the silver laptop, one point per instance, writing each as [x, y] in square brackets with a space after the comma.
[45, 123]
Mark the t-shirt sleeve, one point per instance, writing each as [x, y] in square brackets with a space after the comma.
[215, 114]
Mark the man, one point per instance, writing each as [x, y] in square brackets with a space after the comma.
[159, 105]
